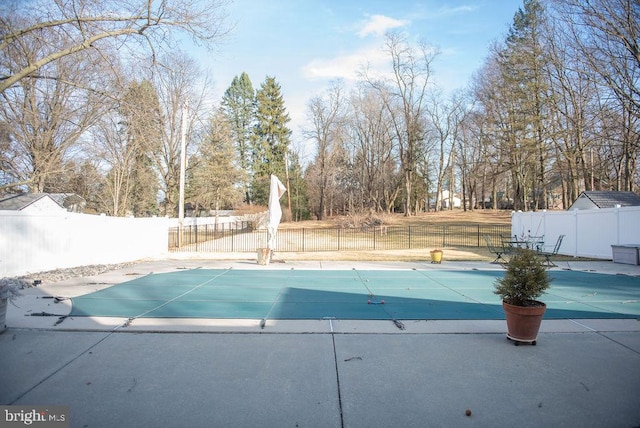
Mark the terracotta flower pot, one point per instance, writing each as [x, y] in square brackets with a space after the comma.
[523, 322]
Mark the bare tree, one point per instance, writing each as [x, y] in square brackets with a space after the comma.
[326, 114]
[71, 27]
[177, 84]
[444, 122]
[142, 120]
[56, 59]
[494, 111]
[606, 34]
[573, 114]
[45, 118]
[125, 140]
[470, 149]
[374, 155]
[111, 145]
[408, 87]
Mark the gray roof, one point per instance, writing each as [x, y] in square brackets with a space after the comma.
[20, 201]
[609, 199]
[68, 200]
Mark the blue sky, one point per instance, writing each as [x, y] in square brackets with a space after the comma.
[305, 44]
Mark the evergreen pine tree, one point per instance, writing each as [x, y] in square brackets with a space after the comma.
[239, 104]
[215, 174]
[271, 139]
[298, 190]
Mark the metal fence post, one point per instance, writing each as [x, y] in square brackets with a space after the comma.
[444, 235]
[374, 237]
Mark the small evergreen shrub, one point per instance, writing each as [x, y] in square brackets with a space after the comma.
[525, 279]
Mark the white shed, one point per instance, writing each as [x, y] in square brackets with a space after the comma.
[41, 203]
[605, 199]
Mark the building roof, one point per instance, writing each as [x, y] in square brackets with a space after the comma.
[70, 201]
[19, 201]
[610, 199]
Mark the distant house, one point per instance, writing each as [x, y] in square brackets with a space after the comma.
[44, 203]
[446, 200]
[605, 199]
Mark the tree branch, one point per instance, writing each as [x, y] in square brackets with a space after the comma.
[7, 81]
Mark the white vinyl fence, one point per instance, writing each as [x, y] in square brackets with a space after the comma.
[32, 243]
[589, 233]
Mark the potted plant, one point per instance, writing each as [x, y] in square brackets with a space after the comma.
[436, 256]
[9, 291]
[525, 279]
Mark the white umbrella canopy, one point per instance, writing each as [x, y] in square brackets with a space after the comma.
[276, 191]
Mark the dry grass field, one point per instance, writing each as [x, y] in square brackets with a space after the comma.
[441, 217]
[447, 216]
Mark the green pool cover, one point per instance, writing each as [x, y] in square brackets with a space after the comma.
[352, 294]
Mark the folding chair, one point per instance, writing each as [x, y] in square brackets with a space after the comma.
[536, 242]
[495, 250]
[548, 254]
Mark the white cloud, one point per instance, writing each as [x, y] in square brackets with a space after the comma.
[346, 66]
[464, 9]
[379, 24]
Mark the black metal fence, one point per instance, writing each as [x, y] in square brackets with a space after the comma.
[241, 237]
[204, 237]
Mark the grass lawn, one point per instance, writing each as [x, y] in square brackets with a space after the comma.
[455, 216]
[448, 217]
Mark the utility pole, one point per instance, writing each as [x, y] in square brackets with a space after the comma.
[183, 161]
[286, 171]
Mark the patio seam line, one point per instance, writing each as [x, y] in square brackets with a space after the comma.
[582, 325]
[335, 362]
[617, 343]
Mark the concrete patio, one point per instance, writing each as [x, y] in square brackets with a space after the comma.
[315, 373]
